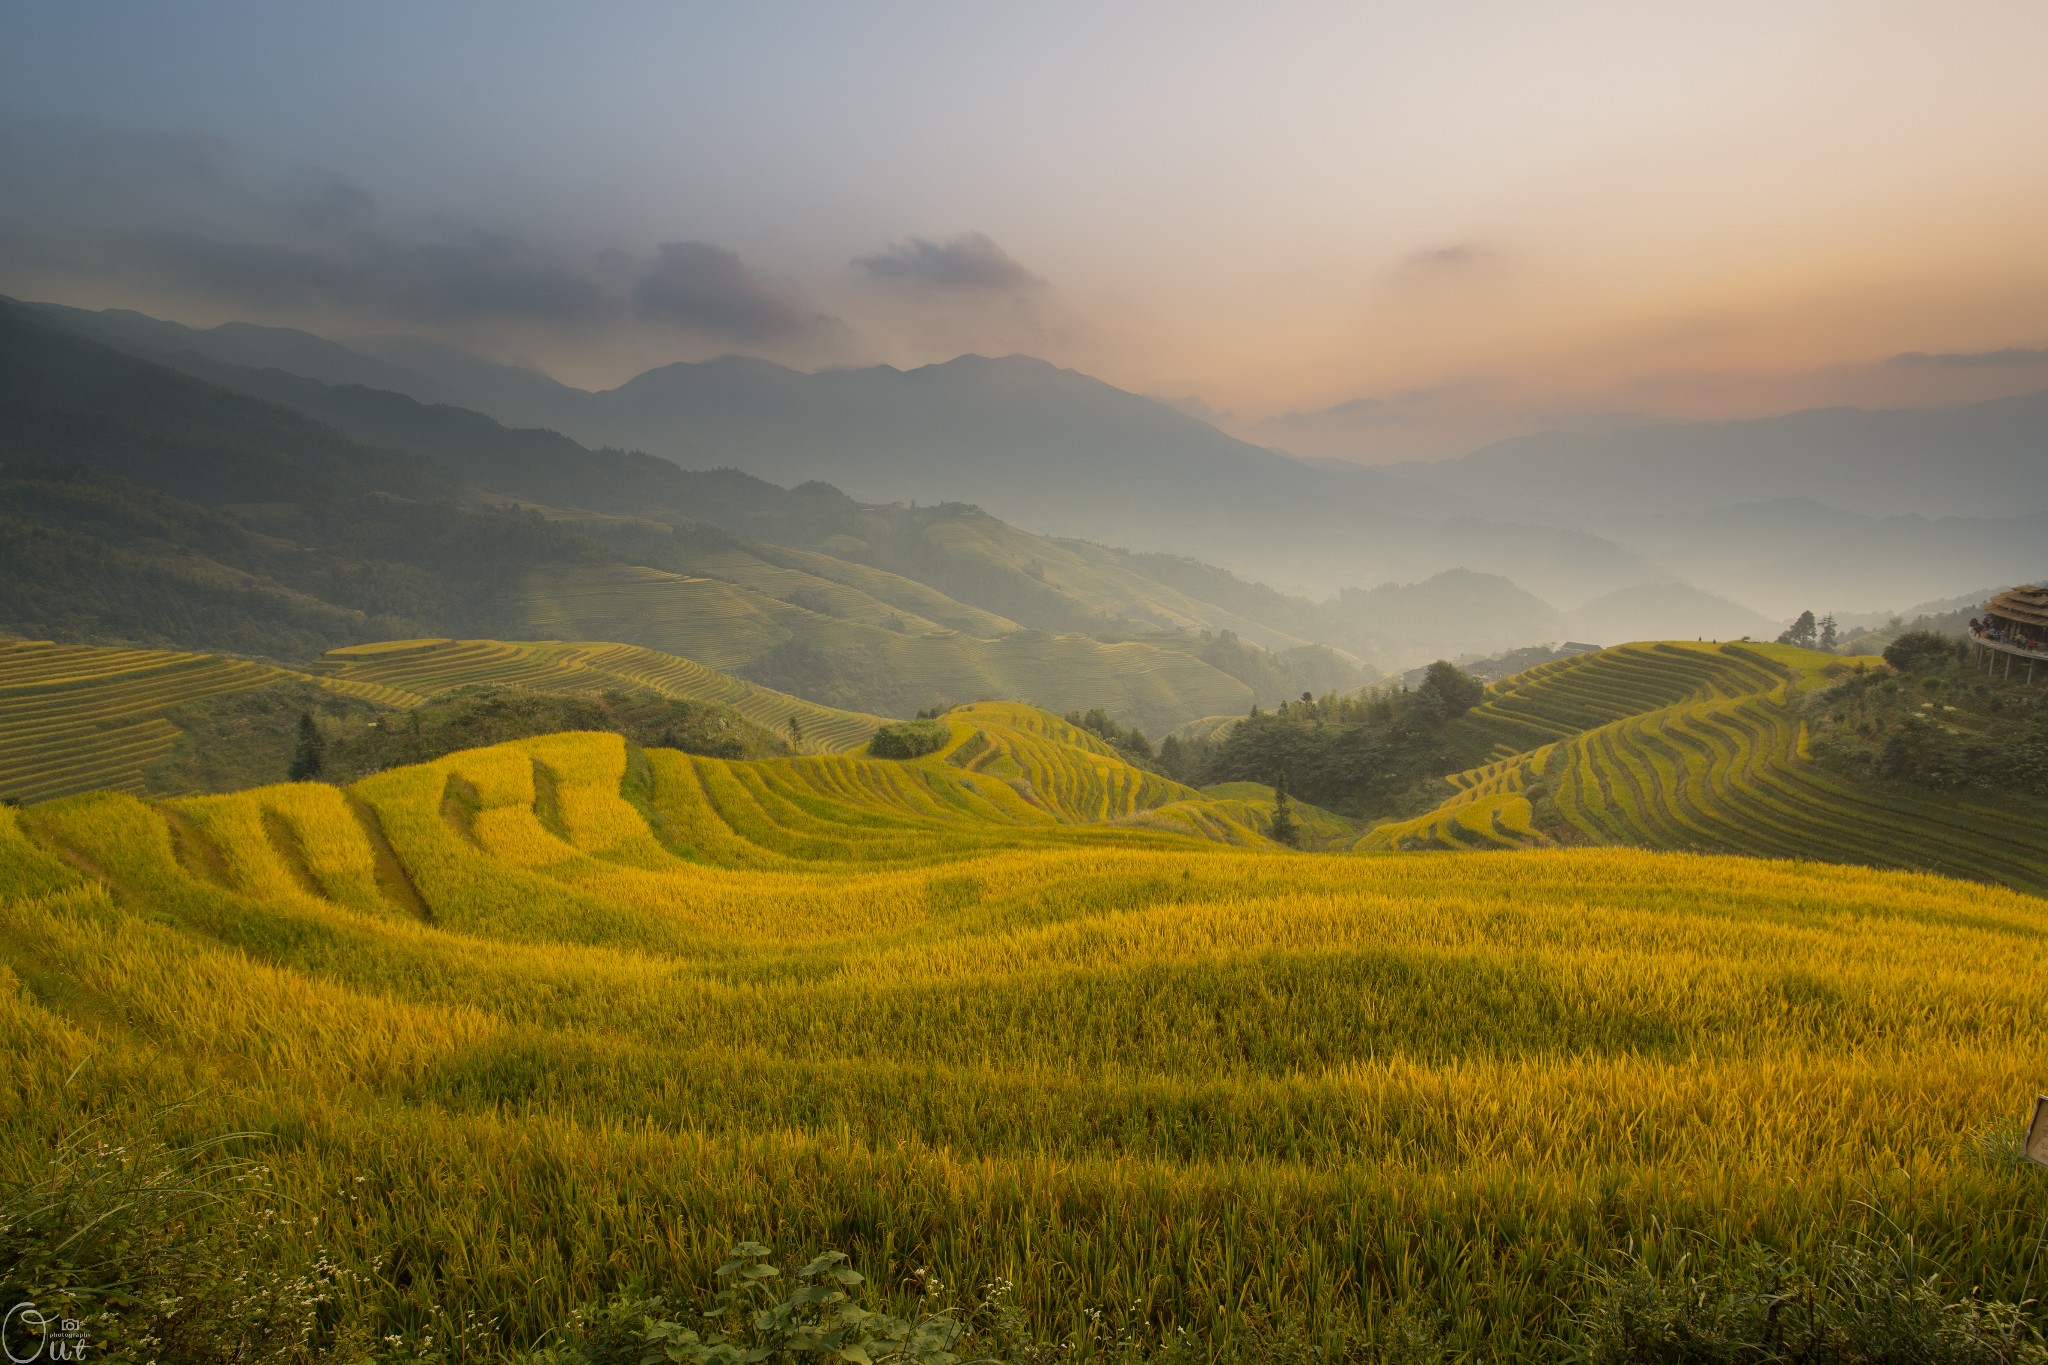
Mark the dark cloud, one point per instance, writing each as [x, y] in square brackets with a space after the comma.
[2011, 355]
[461, 276]
[709, 289]
[971, 263]
[178, 211]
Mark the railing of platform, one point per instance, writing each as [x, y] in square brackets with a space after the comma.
[2026, 642]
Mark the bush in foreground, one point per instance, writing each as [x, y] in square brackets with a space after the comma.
[1879, 1304]
[144, 1251]
[758, 1318]
[1875, 1304]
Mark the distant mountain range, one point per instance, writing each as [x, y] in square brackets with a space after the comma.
[1980, 460]
[1839, 510]
[1038, 446]
[1834, 509]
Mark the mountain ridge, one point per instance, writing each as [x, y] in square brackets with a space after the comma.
[1988, 448]
[1040, 446]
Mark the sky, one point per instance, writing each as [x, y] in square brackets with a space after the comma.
[1364, 231]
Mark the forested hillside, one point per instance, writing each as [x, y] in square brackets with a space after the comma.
[1037, 445]
[145, 506]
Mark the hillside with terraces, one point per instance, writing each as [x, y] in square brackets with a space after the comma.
[77, 718]
[1700, 748]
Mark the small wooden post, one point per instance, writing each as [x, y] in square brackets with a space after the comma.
[2036, 1150]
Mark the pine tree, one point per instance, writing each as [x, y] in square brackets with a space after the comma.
[796, 734]
[311, 755]
[1286, 829]
[1173, 758]
[1827, 631]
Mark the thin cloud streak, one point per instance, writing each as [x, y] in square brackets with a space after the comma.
[971, 262]
[2010, 355]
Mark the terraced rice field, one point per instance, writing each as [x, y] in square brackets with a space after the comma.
[1490, 810]
[1153, 684]
[824, 595]
[1067, 767]
[1009, 774]
[79, 718]
[1699, 748]
[419, 668]
[1207, 730]
[719, 624]
[904, 594]
[1566, 696]
[76, 718]
[539, 1022]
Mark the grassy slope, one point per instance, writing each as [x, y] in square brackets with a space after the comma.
[1697, 747]
[1097, 579]
[850, 591]
[79, 718]
[1152, 684]
[987, 1012]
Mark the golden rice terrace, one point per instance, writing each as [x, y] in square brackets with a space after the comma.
[533, 1023]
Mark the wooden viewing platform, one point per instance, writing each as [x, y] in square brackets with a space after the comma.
[2014, 624]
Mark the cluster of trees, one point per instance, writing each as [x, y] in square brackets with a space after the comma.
[909, 738]
[1129, 741]
[1278, 673]
[1934, 723]
[1809, 633]
[1357, 753]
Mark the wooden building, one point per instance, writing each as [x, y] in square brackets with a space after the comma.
[2014, 628]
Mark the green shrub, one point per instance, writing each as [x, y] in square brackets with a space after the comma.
[1876, 1304]
[909, 739]
[1918, 650]
[148, 1252]
[756, 1318]
[1451, 688]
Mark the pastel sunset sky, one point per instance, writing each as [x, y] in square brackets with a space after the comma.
[1373, 231]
